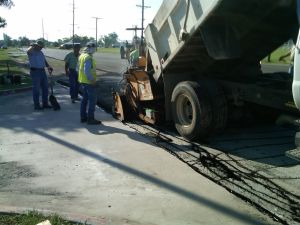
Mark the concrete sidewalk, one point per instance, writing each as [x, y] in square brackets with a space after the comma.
[105, 174]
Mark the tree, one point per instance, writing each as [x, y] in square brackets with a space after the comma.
[109, 39]
[15, 43]
[83, 40]
[8, 4]
[24, 41]
[2, 22]
[55, 44]
[100, 42]
[77, 39]
[7, 40]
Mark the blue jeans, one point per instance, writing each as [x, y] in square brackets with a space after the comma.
[39, 81]
[74, 85]
[88, 100]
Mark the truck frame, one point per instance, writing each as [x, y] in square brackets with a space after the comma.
[202, 64]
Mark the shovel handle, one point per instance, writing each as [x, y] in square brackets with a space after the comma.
[50, 70]
[51, 79]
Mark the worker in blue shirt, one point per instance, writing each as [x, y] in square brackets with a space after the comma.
[38, 62]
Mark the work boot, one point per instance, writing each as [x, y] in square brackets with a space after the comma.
[37, 107]
[83, 120]
[47, 106]
[93, 121]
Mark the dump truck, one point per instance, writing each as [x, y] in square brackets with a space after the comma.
[201, 65]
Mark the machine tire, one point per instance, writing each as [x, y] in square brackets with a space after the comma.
[191, 110]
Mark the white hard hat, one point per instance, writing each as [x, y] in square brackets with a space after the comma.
[91, 44]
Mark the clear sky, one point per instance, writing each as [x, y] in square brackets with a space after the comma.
[27, 16]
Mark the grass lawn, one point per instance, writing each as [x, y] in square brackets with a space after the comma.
[32, 218]
[10, 66]
[108, 50]
[276, 54]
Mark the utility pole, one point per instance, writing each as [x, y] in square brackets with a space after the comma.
[43, 29]
[135, 29]
[143, 7]
[73, 23]
[96, 18]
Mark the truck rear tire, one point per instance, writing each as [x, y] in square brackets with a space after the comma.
[191, 110]
[121, 109]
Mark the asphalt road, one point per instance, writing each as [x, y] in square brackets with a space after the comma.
[113, 63]
[271, 68]
[107, 62]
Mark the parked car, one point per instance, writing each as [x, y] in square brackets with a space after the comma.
[67, 45]
[116, 45]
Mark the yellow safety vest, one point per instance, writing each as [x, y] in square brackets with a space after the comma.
[82, 78]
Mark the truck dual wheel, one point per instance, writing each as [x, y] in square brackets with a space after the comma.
[191, 110]
[219, 105]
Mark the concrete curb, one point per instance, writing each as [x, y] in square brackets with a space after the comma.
[14, 91]
[19, 90]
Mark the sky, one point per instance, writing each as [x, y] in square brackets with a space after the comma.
[54, 18]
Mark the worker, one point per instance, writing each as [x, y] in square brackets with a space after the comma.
[122, 52]
[38, 62]
[70, 68]
[127, 54]
[87, 79]
[134, 56]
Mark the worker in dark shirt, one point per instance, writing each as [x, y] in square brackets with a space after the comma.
[70, 68]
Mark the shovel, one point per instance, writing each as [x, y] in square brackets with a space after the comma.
[52, 98]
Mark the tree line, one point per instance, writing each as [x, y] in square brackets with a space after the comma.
[106, 41]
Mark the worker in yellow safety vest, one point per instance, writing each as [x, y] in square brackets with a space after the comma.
[87, 79]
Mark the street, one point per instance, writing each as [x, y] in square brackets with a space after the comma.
[104, 175]
[255, 152]
[248, 160]
[108, 62]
